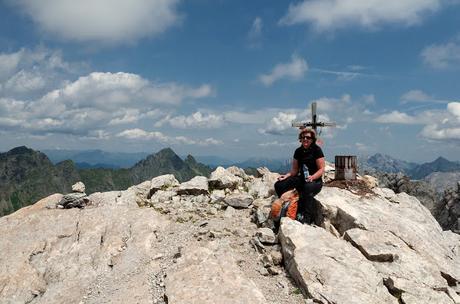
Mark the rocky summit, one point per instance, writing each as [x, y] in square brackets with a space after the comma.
[207, 240]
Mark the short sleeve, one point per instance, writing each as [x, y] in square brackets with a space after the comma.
[297, 154]
[318, 153]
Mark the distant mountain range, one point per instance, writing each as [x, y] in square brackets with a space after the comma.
[90, 159]
[385, 163]
[27, 175]
[96, 158]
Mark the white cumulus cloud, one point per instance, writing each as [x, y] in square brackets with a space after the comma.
[292, 70]
[442, 56]
[280, 123]
[196, 120]
[140, 134]
[396, 117]
[436, 132]
[26, 73]
[110, 91]
[454, 108]
[415, 96]
[333, 14]
[110, 21]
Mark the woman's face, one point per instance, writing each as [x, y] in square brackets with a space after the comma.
[306, 139]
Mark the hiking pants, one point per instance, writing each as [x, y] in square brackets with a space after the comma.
[306, 190]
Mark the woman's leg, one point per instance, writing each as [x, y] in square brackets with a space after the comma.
[286, 185]
[306, 206]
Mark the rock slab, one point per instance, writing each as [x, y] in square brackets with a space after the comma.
[210, 275]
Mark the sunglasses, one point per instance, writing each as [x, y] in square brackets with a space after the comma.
[306, 137]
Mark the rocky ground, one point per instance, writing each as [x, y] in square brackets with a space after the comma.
[207, 241]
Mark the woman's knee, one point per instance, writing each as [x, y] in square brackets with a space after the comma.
[311, 189]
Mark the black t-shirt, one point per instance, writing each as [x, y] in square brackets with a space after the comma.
[308, 157]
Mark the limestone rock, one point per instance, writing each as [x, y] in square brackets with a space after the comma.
[239, 200]
[238, 172]
[230, 212]
[206, 275]
[222, 179]
[448, 212]
[260, 189]
[329, 172]
[74, 200]
[401, 239]
[162, 182]
[263, 185]
[98, 254]
[195, 186]
[330, 270]
[370, 181]
[78, 187]
[266, 236]
[141, 193]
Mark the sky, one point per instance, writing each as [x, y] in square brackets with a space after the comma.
[228, 77]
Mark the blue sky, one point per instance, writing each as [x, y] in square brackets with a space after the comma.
[227, 77]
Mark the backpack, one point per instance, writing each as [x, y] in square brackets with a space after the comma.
[286, 205]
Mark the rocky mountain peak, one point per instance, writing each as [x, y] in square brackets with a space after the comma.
[207, 240]
[20, 150]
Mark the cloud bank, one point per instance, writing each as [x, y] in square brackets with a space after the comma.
[109, 21]
[327, 15]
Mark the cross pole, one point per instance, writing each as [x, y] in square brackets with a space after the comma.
[314, 123]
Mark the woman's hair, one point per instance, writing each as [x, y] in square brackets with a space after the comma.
[311, 132]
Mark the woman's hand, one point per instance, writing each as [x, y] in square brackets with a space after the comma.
[310, 179]
[282, 177]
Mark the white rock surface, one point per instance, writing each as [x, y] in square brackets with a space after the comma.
[222, 179]
[195, 186]
[393, 233]
[162, 182]
[379, 247]
[239, 200]
[210, 275]
[78, 187]
[328, 269]
[60, 256]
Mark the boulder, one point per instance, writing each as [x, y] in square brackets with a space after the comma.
[195, 186]
[370, 181]
[78, 187]
[238, 172]
[210, 275]
[102, 254]
[400, 238]
[141, 193]
[74, 200]
[260, 189]
[330, 270]
[266, 236]
[329, 172]
[162, 182]
[222, 179]
[239, 200]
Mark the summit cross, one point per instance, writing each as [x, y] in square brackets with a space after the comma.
[314, 123]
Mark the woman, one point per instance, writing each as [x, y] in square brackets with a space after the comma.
[305, 175]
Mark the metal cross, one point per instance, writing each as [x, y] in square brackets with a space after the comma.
[314, 123]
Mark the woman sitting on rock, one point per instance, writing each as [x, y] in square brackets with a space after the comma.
[305, 175]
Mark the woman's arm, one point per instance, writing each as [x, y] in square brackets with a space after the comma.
[321, 163]
[293, 172]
